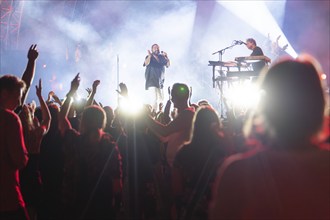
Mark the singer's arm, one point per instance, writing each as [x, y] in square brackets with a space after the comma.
[168, 62]
[147, 60]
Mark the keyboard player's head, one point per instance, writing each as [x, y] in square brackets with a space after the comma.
[251, 43]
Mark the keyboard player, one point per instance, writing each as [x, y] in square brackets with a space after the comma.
[251, 44]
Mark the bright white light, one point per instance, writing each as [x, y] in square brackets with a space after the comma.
[243, 96]
[131, 106]
[77, 98]
[256, 14]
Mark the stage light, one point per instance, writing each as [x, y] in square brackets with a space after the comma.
[77, 98]
[130, 106]
[243, 95]
[257, 15]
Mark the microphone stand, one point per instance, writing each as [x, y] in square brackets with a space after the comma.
[220, 85]
[222, 51]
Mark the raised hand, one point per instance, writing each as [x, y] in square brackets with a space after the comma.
[33, 52]
[88, 90]
[29, 71]
[92, 93]
[160, 106]
[278, 38]
[168, 106]
[50, 95]
[75, 83]
[57, 99]
[96, 83]
[39, 89]
[123, 89]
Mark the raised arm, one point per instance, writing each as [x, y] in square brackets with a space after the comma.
[49, 98]
[57, 100]
[90, 99]
[64, 123]
[52, 95]
[30, 70]
[123, 91]
[182, 122]
[167, 118]
[46, 118]
[148, 58]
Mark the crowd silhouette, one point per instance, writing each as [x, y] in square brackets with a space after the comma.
[68, 160]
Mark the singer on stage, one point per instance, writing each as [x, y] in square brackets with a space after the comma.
[256, 51]
[155, 63]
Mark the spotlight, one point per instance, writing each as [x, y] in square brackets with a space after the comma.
[243, 96]
[77, 98]
[130, 106]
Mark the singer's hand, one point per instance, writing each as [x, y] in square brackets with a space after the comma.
[164, 53]
[149, 53]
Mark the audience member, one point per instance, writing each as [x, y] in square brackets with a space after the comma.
[177, 132]
[195, 166]
[51, 169]
[92, 164]
[13, 153]
[34, 131]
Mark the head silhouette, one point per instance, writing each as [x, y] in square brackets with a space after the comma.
[180, 94]
[205, 124]
[11, 90]
[93, 119]
[293, 103]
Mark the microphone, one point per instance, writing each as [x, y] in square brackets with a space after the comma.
[164, 54]
[239, 42]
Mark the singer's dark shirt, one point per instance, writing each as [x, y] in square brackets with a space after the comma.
[258, 66]
[155, 71]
